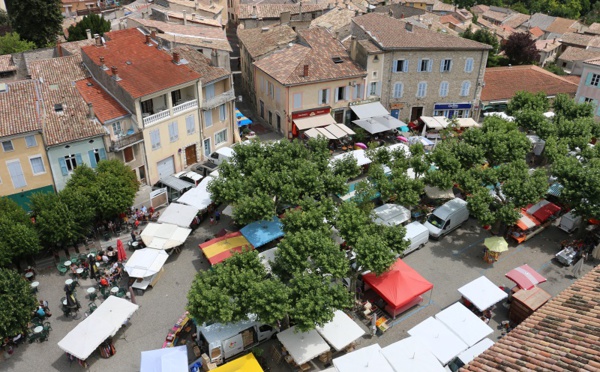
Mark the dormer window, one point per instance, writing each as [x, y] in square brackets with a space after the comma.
[337, 59]
[58, 108]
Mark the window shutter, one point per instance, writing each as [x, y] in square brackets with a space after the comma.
[92, 158]
[320, 96]
[429, 65]
[327, 95]
[361, 92]
[405, 65]
[588, 80]
[442, 65]
[595, 103]
[189, 124]
[581, 99]
[277, 94]
[395, 66]
[419, 65]
[378, 89]
[347, 93]
[102, 154]
[63, 166]
[337, 92]
[78, 159]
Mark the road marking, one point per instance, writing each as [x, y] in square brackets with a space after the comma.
[469, 246]
[412, 313]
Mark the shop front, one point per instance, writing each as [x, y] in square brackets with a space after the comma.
[451, 110]
[307, 119]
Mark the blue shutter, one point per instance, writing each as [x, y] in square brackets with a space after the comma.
[378, 91]
[419, 65]
[63, 166]
[588, 80]
[78, 159]
[581, 99]
[405, 65]
[430, 65]
[441, 65]
[92, 159]
[102, 154]
[320, 98]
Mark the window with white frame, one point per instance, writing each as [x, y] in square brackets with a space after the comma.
[469, 65]
[424, 65]
[340, 94]
[220, 137]
[222, 112]
[444, 89]
[422, 89]
[398, 90]
[117, 130]
[189, 124]
[30, 141]
[208, 121]
[445, 65]
[16, 173]
[400, 65]
[71, 162]
[155, 139]
[207, 150]
[297, 100]
[173, 131]
[7, 146]
[373, 88]
[465, 88]
[323, 96]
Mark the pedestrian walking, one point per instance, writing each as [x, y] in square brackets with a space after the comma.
[217, 217]
[212, 221]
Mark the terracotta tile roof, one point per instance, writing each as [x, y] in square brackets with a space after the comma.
[7, 64]
[287, 66]
[196, 20]
[540, 20]
[593, 61]
[336, 20]
[594, 43]
[578, 54]
[258, 42]
[143, 69]
[74, 47]
[106, 108]
[480, 9]
[369, 46]
[209, 8]
[529, 78]
[536, 32]
[546, 45]
[495, 16]
[449, 18]
[485, 23]
[399, 11]
[274, 10]
[573, 78]
[561, 25]
[57, 78]
[594, 29]
[580, 40]
[440, 6]
[197, 41]
[201, 64]
[562, 335]
[516, 19]
[19, 107]
[428, 2]
[391, 33]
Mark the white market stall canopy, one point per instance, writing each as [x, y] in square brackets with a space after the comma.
[433, 192]
[372, 126]
[104, 322]
[482, 293]
[198, 196]
[366, 359]
[341, 331]
[464, 323]
[389, 121]
[178, 214]
[267, 258]
[303, 346]
[359, 155]
[410, 355]
[369, 110]
[444, 344]
[434, 122]
[467, 123]
[473, 352]
[145, 262]
[391, 215]
[169, 359]
[314, 121]
[334, 131]
[164, 235]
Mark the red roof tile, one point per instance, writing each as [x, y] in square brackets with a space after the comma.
[143, 69]
[7, 64]
[536, 32]
[19, 107]
[105, 107]
[502, 83]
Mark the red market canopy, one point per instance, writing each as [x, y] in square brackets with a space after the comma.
[543, 210]
[220, 249]
[398, 286]
[525, 277]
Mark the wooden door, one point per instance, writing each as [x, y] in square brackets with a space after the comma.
[190, 155]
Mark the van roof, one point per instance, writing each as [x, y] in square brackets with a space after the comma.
[449, 207]
[225, 151]
[219, 332]
[415, 228]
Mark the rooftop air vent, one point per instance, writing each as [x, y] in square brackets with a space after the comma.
[337, 59]
[58, 108]
[3, 88]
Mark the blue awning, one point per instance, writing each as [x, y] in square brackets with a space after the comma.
[260, 233]
[243, 121]
[555, 189]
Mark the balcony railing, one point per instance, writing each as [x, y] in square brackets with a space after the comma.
[185, 106]
[156, 117]
[126, 141]
[211, 103]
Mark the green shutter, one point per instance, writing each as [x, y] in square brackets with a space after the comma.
[92, 159]
[588, 80]
[102, 153]
[63, 166]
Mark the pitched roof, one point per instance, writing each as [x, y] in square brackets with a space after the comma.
[201, 64]
[274, 10]
[287, 66]
[449, 18]
[370, 48]
[440, 6]
[536, 32]
[562, 335]
[336, 20]
[561, 25]
[7, 64]
[258, 42]
[528, 78]
[209, 8]
[57, 78]
[516, 19]
[399, 10]
[479, 9]
[578, 54]
[106, 108]
[581, 40]
[74, 47]
[195, 20]
[391, 33]
[594, 29]
[143, 69]
[540, 20]
[547, 45]
[593, 61]
[19, 107]
[496, 16]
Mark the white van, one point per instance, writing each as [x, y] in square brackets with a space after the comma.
[447, 217]
[417, 235]
[221, 154]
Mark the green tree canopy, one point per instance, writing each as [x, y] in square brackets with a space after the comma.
[580, 179]
[97, 24]
[528, 101]
[39, 21]
[16, 303]
[55, 222]
[18, 237]
[12, 43]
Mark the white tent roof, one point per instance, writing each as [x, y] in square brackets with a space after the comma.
[444, 344]
[145, 262]
[164, 235]
[359, 155]
[467, 123]
[372, 126]
[314, 121]
[471, 353]
[198, 196]
[433, 192]
[501, 115]
[366, 359]
[319, 132]
[178, 214]
[104, 322]
[389, 121]
[391, 215]
[435, 122]
[410, 355]
[369, 110]
[400, 146]
[341, 331]
[464, 323]
[169, 359]
[482, 293]
[303, 346]
[267, 257]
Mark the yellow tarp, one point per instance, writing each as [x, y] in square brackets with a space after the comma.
[225, 245]
[247, 363]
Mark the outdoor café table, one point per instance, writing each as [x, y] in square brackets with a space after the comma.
[69, 281]
[67, 263]
[38, 329]
[29, 275]
[79, 271]
[34, 286]
[91, 290]
[114, 290]
[65, 302]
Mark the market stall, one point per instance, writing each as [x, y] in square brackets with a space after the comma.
[359, 155]
[435, 123]
[366, 359]
[525, 277]
[533, 220]
[401, 287]
[482, 293]
[198, 197]
[471, 353]
[466, 325]
[372, 126]
[436, 193]
[103, 323]
[164, 235]
[178, 214]
[220, 249]
[391, 215]
[246, 363]
[302, 346]
[165, 360]
[259, 233]
[341, 331]
[147, 266]
[436, 337]
[410, 355]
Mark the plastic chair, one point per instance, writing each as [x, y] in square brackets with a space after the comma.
[122, 292]
[47, 326]
[92, 306]
[75, 259]
[62, 269]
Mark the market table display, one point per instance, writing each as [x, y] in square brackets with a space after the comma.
[441, 341]
[198, 197]
[464, 323]
[482, 293]
[409, 355]
[341, 331]
[164, 235]
[170, 359]
[525, 277]
[366, 359]
[178, 214]
[303, 346]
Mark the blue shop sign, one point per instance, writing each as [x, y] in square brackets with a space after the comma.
[453, 106]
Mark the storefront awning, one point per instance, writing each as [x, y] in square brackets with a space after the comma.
[314, 121]
[389, 121]
[333, 131]
[435, 122]
[369, 110]
[467, 123]
[319, 132]
[371, 125]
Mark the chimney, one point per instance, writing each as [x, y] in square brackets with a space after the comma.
[391, 13]
[300, 9]
[148, 41]
[91, 114]
[408, 27]
[98, 40]
[88, 32]
[115, 73]
[214, 60]
[356, 13]
[176, 58]
[254, 10]
[59, 48]
[337, 35]
[305, 71]
[402, 16]
[184, 18]
[153, 34]
[102, 65]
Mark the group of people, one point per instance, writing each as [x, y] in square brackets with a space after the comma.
[139, 215]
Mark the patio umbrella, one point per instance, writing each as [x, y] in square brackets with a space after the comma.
[525, 277]
[496, 244]
[596, 252]
[403, 129]
[402, 138]
[121, 255]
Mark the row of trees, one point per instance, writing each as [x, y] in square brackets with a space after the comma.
[572, 9]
